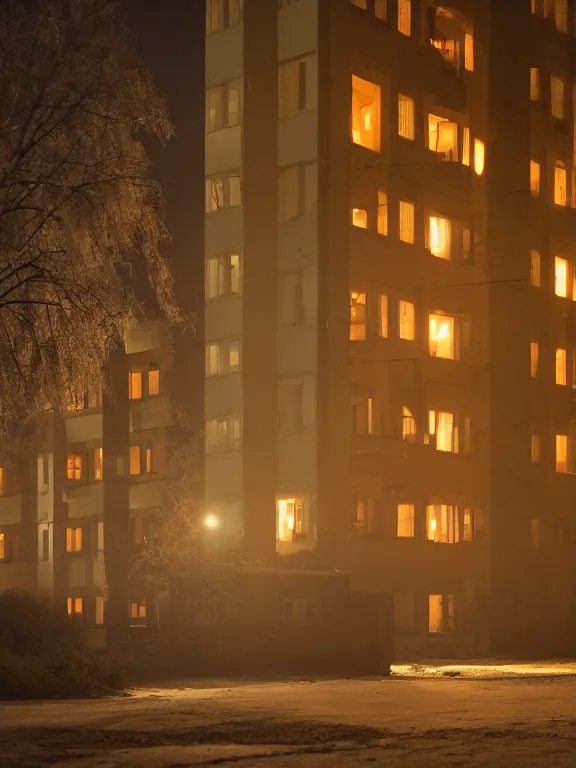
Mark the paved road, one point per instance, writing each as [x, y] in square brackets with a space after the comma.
[336, 724]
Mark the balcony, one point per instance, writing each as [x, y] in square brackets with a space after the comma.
[84, 500]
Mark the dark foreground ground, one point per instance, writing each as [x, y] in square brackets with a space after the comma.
[413, 723]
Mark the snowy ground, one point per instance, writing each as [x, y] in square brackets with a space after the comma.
[430, 721]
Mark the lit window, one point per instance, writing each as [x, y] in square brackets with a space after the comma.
[223, 276]
[153, 382]
[561, 367]
[223, 106]
[406, 222]
[441, 613]
[442, 427]
[135, 385]
[366, 521]
[439, 237]
[562, 453]
[73, 539]
[74, 467]
[534, 355]
[138, 609]
[382, 213]
[224, 434]
[405, 117]
[100, 536]
[560, 277]
[557, 97]
[466, 146]
[534, 84]
[381, 9]
[535, 448]
[223, 191]
[2, 481]
[469, 52]
[383, 317]
[442, 523]
[360, 218]
[148, 454]
[3, 548]
[441, 332]
[405, 17]
[75, 606]
[98, 465]
[408, 425]
[366, 99]
[479, 156]
[560, 181]
[468, 525]
[443, 137]
[561, 15]
[406, 320]
[135, 466]
[291, 519]
[291, 192]
[405, 527]
[534, 178]
[292, 87]
[535, 276]
[357, 316]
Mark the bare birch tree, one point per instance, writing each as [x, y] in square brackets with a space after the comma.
[78, 209]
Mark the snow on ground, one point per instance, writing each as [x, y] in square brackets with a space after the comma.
[432, 721]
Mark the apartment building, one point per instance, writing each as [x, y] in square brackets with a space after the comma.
[389, 248]
[88, 478]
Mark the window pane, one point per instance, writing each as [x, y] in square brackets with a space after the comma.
[561, 453]
[441, 331]
[406, 222]
[405, 117]
[534, 178]
[439, 236]
[234, 261]
[535, 269]
[153, 381]
[234, 102]
[405, 17]
[561, 276]
[560, 188]
[479, 156]
[561, 367]
[534, 354]
[134, 459]
[366, 98]
[383, 319]
[407, 321]
[405, 520]
[357, 316]
[360, 218]
[382, 213]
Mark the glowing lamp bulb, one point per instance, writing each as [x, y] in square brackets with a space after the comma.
[211, 522]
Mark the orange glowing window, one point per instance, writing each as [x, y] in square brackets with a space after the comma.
[135, 385]
[360, 218]
[562, 453]
[74, 467]
[357, 316]
[407, 322]
[75, 606]
[439, 237]
[405, 526]
[291, 518]
[534, 178]
[479, 156]
[560, 277]
[73, 539]
[561, 367]
[153, 382]
[382, 213]
[441, 337]
[560, 184]
[366, 99]
[442, 523]
[535, 269]
[135, 466]
[534, 357]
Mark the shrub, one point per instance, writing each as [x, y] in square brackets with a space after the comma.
[41, 654]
